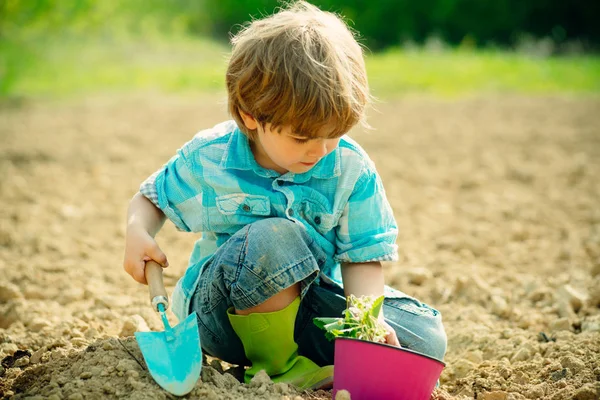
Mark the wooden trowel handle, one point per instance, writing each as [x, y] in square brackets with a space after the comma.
[154, 276]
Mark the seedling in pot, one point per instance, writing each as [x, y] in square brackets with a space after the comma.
[360, 345]
[360, 320]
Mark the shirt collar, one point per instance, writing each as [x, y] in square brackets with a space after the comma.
[238, 155]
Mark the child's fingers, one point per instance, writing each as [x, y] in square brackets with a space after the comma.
[139, 273]
[136, 270]
[392, 339]
[157, 255]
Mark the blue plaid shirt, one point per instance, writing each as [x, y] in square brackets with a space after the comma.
[213, 185]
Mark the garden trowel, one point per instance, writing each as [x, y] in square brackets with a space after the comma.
[173, 357]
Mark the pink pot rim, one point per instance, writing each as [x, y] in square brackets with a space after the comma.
[392, 347]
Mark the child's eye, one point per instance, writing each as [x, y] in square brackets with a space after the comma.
[301, 140]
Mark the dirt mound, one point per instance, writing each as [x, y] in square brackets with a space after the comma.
[115, 368]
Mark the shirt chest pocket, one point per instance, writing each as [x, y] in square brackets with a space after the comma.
[234, 211]
[317, 216]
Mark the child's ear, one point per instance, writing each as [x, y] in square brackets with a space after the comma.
[249, 120]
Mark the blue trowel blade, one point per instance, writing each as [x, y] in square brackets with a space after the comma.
[174, 358]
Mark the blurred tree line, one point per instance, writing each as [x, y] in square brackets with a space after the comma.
[381, 23]
[384, 23]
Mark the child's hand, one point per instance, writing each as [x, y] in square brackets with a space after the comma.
[391, 338]
[139, 248]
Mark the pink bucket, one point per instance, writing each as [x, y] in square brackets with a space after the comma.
[372, 371]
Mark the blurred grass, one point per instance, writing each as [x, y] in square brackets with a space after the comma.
[459, 72]
[65, 67]
[78, 67]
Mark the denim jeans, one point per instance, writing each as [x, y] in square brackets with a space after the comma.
[270, 255]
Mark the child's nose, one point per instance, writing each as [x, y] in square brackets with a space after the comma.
[319, 149]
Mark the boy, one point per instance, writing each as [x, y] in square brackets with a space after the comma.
[293, 214]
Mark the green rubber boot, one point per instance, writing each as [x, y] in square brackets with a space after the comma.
[268, 340]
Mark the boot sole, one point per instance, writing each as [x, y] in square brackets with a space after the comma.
[323, 384]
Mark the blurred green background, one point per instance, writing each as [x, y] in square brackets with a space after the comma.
[57, 48]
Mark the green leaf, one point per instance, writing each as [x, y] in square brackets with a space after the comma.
[347, 314]
[377, 304]
[322, 322]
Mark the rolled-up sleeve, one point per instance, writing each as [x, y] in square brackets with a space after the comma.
[367, 230]
[177, 191]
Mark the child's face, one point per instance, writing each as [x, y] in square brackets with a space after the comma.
[283, 151]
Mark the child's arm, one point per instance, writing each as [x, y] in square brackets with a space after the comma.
[171, 192]
[366, 279]
[144, 220]
[363, 279]
[366, 235]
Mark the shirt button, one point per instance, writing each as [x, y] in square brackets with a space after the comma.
[317, 220]
[246, 207]
[290, 212]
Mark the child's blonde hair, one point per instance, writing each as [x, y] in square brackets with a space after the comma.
[300, 67]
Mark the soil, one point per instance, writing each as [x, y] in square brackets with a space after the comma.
[497, 200]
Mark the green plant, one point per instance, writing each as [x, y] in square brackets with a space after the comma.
[360, 320]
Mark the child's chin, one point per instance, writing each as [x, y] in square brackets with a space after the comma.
[301, 168]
